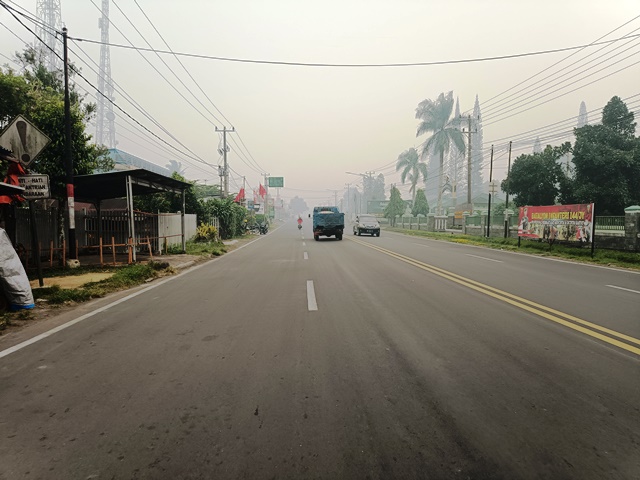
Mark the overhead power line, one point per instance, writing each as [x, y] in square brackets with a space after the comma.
[353, 65]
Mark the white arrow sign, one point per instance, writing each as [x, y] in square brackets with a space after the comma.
[24, 139]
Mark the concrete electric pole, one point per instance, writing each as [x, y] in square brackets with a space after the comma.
[225, 149]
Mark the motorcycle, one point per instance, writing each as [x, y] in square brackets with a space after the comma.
[299, 226]
[264, 228]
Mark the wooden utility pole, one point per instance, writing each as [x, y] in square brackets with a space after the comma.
[225, 149]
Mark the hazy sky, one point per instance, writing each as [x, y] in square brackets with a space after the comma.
[313, 124]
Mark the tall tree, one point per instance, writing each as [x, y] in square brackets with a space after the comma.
[412, 168]
[43, 104]
[607, 161]
[420, 204]
[297, 205]
[378, 188]
[435, 118]
[538, 179]
[175, 166]
[395, 206]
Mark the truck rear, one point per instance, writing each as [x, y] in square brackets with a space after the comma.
[327, 222]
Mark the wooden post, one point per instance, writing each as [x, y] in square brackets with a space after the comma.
[113, 249]
[129, 243]
[64, 251]
[101, 262]
[149, 245]
[51, 253]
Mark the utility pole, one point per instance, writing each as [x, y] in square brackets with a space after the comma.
[506, 206]
[266, 197]
[348, 209]
[68, 153]
[490, 188]
[335, 196]
[243, 200]
[364, 175]
[225, 149]
[469, 132]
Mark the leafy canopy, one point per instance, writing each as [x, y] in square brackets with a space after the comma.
[412, 168]
[538, 179]
[606, 161]
[434, 117]
[38, 95]
[395, 206]
[420, 204]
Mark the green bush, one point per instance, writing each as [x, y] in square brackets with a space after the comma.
[206, 233]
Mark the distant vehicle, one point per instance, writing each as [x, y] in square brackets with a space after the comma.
[366, 224]
[327, 222]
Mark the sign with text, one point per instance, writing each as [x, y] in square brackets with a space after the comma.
[569, 223]
[24, 139]
[276, 182]
[36, 187]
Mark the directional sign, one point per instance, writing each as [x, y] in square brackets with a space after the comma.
[23, 139]
[35, 187]
[276, 182]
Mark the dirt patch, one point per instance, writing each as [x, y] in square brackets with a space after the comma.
[72, 281]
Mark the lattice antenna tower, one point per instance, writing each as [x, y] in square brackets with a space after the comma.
[48, 11]
[105, 126]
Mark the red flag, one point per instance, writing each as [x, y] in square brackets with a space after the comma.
[240, 196]
[263, 192]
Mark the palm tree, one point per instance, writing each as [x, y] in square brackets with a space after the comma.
[435, 117]
[412, 169]
[175, 166]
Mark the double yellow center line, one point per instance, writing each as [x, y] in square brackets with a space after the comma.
[607, 335]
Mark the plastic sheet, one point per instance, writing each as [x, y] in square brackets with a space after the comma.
[13, 278]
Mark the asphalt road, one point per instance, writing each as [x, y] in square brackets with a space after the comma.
[391, 357]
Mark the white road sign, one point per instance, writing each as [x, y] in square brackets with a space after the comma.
[35, 186]
[24, 139]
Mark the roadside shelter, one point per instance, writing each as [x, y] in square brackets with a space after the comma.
[127, 183]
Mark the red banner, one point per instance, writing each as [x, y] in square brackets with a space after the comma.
[568, 223]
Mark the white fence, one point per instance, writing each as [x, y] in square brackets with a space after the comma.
[170, 228]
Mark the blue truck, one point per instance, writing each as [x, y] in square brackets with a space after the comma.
[328, 222]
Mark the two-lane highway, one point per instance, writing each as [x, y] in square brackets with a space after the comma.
[390, 357]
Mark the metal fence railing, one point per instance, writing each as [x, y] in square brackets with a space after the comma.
[610, 223]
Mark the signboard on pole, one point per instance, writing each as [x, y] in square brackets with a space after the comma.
[569, 223]
[276, 182]
[36, 187]
[24, 139]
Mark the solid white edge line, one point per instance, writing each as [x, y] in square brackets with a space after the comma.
[483, 258]
[312, 305]
[70, 323]
[622, 288]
